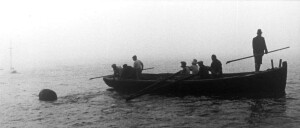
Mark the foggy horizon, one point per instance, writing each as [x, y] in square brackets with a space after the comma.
[58, 32]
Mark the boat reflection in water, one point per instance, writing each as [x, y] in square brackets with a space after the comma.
[267, 110]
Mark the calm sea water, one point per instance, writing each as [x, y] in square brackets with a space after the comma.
[87, 103]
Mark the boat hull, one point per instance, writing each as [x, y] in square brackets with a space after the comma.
[271, 81]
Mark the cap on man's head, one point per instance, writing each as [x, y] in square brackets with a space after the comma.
[113, 65]
[194, 61]
[200, 62]
[134, 56]
[259, 31]
[183, 63]
[124, 65]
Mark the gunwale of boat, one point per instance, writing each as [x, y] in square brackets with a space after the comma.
[225, 76]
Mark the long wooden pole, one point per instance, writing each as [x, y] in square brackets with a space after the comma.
[254, 55]
[148, 68]
[108, 75]
[10, 53]
[150, 87]
[175, 82]
[98, 77]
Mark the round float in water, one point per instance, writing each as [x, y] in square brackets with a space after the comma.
[47, 95]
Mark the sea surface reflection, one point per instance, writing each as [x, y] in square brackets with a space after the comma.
[91, 103]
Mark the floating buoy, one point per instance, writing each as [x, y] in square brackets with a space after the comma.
[47, 95]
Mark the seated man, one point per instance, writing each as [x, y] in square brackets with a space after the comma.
[185, 70]
[203, 71]
[128, 72]
[117, 70]
[216, 67]
[194, 68]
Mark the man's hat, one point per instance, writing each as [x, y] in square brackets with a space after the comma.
[200, 62]
[183, 64]
[113, 65]
[194, 61]
[259, 31]
[134, 56]
[213, 55]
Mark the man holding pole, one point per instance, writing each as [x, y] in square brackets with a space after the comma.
[259, 48]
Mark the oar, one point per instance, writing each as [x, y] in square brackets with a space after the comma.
[175, 82]
[145, 90]
[254, 55]
[108, 75]
[148, 68]
[143, 69]
[163, 86]
[98, 77]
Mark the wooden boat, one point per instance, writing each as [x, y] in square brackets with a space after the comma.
[268, 81]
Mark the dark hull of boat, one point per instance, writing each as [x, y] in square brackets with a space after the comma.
[269, 81]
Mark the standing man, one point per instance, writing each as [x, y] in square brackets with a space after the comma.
[138, 66]
[259, 48]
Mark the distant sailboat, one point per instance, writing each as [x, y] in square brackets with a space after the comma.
[12, 70]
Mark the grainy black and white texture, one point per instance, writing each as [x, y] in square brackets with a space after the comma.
[59, 45]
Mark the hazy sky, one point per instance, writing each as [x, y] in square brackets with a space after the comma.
[71, 31]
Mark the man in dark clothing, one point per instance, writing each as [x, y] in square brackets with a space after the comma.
[117, 70]
[216, 67]
[259, 47]
[203, 71]
[185, 70]
[128, 72]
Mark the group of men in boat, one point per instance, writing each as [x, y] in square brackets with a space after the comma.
[259, 49]
[129, 72]
[201, 70]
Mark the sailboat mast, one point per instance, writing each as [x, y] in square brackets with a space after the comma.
[11, 56]
[12, 70]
